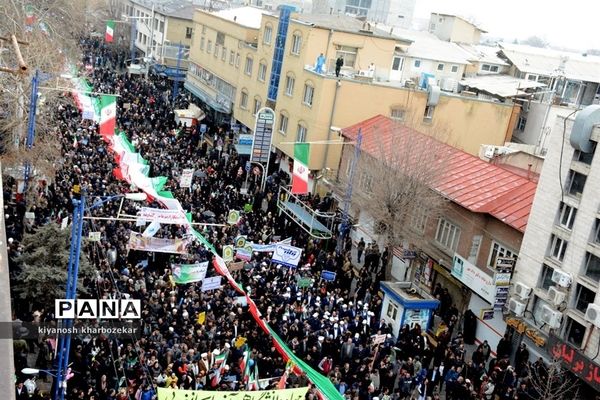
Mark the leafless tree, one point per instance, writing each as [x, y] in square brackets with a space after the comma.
[551, 382]
[395, 184]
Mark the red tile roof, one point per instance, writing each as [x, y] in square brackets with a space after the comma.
[468, 181]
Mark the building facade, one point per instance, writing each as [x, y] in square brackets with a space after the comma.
[452, 28]
[482, 223]
[232, 61]
[557, 275]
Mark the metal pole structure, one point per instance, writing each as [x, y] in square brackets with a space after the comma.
[7, 372]
[176, 78]
[31, 122]
[344, 228]
[64, 348]
[133, 34]
[150, 56]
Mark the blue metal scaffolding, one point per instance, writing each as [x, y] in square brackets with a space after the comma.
[284, 22]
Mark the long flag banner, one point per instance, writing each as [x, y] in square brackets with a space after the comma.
[180, 394]
[188, 273]
[158, 245]
[137, 174]
[300, 175]
[110, 31]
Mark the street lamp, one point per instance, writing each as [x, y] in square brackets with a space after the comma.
[35, 371]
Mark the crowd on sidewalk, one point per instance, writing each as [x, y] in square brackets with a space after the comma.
[329, 324]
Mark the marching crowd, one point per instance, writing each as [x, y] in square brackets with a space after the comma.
[328, 324]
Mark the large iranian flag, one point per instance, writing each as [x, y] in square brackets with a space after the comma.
[110, 31]
[300, 176]
[108, 115]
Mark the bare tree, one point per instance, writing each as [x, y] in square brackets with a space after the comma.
[551, 382]
[395, 183]
[535, 41]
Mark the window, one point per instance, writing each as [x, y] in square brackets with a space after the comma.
[531, 77]
[428, 113]
[475, 246]
[244, 100]
[267, 35]
[596, 232]
[392, 311]
[161, 27]
[257, 105]
[237, 60]
[585, 158]
[546, 277]
[224, 54]
[485, 67]
[454, 68]
[575, 332]
[220, 39]
[397, 63]
[419, 219]
[201, 43]
[397, 114]
[498, 250]
[209, 47]
[592, 266]
[558, 247]
[262, 72]
[583, 297]
[283, 123]
[231, 57]
[248, 67]
[566, 215]
[308, 94]
[203, 29]
[494, 68]
[289, 85]
[417, 63]
[348, 54]
[301, 133]
[366, 182]
[217, 49]
[576, 183]
[440, 67]
[188, 32]
[521, 124]
[296, 44]
[447, 234]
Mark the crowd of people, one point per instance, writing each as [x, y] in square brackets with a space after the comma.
[328, 324]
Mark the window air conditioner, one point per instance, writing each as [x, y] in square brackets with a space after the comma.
[563, 279]
[555, 296]
[551, 317]
[516, 307]
[521, 290]
[592, 314]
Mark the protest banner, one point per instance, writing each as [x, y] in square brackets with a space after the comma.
[286, 255]
[151, 229]
[185, 181]
[235, 266]
[211, 283]
[228, 253]
[94, 236]
[188, 273]
[161, 216]
[281, 394]
[233, 217]
[158, 245]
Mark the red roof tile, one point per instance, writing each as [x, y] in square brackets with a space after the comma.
[467, 180]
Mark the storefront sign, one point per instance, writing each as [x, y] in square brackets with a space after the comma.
[522, 328]
[245, 140]
[474, 278]
[486, 314]
[413, 317]
[505, 263]
[263, 132]
[577, 363]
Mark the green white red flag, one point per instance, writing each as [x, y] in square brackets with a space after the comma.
[29, 15]
[300, 175]
[108, 115]
[110, 31]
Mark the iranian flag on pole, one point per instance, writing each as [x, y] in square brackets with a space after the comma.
[108, 115]
[300, 177]
[29, 15]
[110, 31]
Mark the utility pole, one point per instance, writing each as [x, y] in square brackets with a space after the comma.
[150, 56]
[176, 78]
[64, 343]
[31, 123]
[344, 227]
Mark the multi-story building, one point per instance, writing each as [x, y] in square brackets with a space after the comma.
[481, 225]
[453, 28]
[232, 61]
[163, 32]
[557, 274]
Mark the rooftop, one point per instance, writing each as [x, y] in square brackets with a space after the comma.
[249, 17]
[438, 50]
[483, 54]
[501, 85]
[345, 23]
[472, 183]
[459, 17]
[548, 62]
[183, 9]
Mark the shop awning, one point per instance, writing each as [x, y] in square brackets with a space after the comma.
[205, 97]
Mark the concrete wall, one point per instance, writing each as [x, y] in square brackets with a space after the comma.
[533, 133]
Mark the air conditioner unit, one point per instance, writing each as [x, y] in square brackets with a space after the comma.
[551, 317]
[555, 296]
[561, 278]
[592, 314]
[516, 307]
[521, 290]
